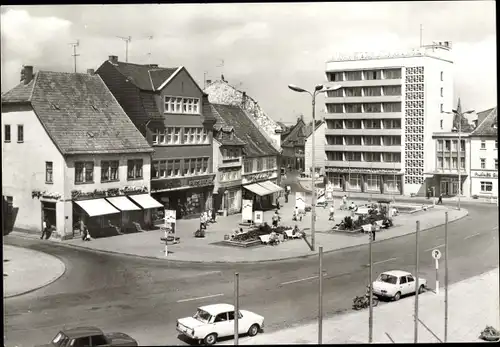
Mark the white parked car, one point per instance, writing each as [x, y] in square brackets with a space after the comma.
[213, 321]
[394, 284]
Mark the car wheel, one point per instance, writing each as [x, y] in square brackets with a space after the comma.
[210, 339]
[254, 329]
[421, 289]
[397, 296]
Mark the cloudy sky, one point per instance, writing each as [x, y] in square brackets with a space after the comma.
[258, 47]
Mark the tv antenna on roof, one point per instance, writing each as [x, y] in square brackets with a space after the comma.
[127, 40]
[150, 37]
[75, 44]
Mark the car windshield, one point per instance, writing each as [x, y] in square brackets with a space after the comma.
[202, 316]
[60, 340]
[388, 278]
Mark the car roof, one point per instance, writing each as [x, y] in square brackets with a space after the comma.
[75, 333]
[397, 273]
[215, 309]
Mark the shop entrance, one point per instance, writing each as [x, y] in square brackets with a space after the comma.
[49, 214]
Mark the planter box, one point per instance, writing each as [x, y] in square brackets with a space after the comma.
[354, 231]
[242, 244]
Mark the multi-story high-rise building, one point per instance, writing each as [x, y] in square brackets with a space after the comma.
[380, 123]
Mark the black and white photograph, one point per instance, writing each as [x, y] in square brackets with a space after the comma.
[249, 173]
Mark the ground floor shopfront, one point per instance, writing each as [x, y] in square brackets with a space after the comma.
[189, 197]
[227, 197]
[484, 183]
[448, 184]
[379, 183]
[263, 194]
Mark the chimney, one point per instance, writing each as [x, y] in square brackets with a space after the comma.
[243, 99]
[153, 65]
[209, 81]
[90, 71]
[27, 74]
[113, 59]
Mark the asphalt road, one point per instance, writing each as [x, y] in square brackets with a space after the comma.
[144, 297]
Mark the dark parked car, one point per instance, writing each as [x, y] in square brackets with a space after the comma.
[89, 337]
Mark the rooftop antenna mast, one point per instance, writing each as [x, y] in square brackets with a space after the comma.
[127, 40]
[74, 55]
[149, 53]
[421, 30]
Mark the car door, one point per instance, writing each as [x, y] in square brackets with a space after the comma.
[98, 340]
[403, 285]
[411, 283]
[222, 325]
[241, 323]
[81, 342]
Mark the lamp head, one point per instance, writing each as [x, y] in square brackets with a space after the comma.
[332, 88]
[296, 89]
[318, 87]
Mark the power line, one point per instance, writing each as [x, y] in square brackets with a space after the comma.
[74, 55]
[127, 40]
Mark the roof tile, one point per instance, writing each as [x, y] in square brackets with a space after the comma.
[20, 93]
[144, 76]
[487, 126]
[257, 144]
[82, 116]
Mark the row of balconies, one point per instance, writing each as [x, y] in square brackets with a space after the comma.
[375, 157]
[373, 124]
[375, 75]
[363, 99]
[365, 148]
[363, 140]
[363, 164]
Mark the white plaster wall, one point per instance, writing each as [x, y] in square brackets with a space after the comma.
[490, 154]
[23, 167]
[320, 154]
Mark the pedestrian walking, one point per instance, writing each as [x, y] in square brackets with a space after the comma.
[332, 213]
[373, 230]
[440, 200]
[278, 203]
[45, 229]
[84, 231]
[344, 203]
[276, 219]
[202, 221]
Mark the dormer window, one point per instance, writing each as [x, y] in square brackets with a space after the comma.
[174, 104]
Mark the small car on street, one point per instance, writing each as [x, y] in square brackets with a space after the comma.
[214, 321]
[89, 337]
[395, 284]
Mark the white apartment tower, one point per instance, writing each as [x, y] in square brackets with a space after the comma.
[379, 124]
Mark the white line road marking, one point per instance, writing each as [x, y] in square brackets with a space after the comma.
[468, 237]
[201, 297]
[430, 249]
[302, 279]
[381, 262]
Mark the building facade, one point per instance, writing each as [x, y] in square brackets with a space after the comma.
[379, 124]
[173, 114]
[293, 147]
[319, 151]
[260, 176]
[484, 155]
[66, 158]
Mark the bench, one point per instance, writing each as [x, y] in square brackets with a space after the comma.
[289, 234]
[265, 238]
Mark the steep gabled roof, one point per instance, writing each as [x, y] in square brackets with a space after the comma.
[488, 127]
[297, 135]
[82, 116]
[144, 77]
[309, 130]
[256, 144]
[20, 93]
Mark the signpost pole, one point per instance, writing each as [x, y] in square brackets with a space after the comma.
[320, 301]
[236, 307]
[370, 297]
[415, 337]
[437, 278]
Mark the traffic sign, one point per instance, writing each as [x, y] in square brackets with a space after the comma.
[436, 254]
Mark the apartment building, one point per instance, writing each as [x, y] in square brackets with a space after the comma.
[379, 124]
[70, 152]
[484, 155]
[173, 114]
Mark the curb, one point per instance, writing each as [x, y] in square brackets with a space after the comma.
[52, 280]
[247, 262]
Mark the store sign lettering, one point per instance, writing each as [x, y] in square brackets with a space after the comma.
[200, 182]
[172, 184]
[486, 174]
[258, 177]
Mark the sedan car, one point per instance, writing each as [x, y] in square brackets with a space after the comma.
[214, 321]
[89, 337]
[394, 284]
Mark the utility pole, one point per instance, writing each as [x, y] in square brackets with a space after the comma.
[370, 317]
[75, 44]
[320, 299]
[127, 40]
[416, 283]
[445, 277]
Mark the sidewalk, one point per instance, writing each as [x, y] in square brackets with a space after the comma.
[26, 270]
[472, 305]
[192, 249]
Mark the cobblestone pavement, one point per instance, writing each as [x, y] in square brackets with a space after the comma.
[148, 244]
[473, 304]
[25, 270]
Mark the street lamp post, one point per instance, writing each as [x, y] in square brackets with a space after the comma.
[458, 112]
[318, 89]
